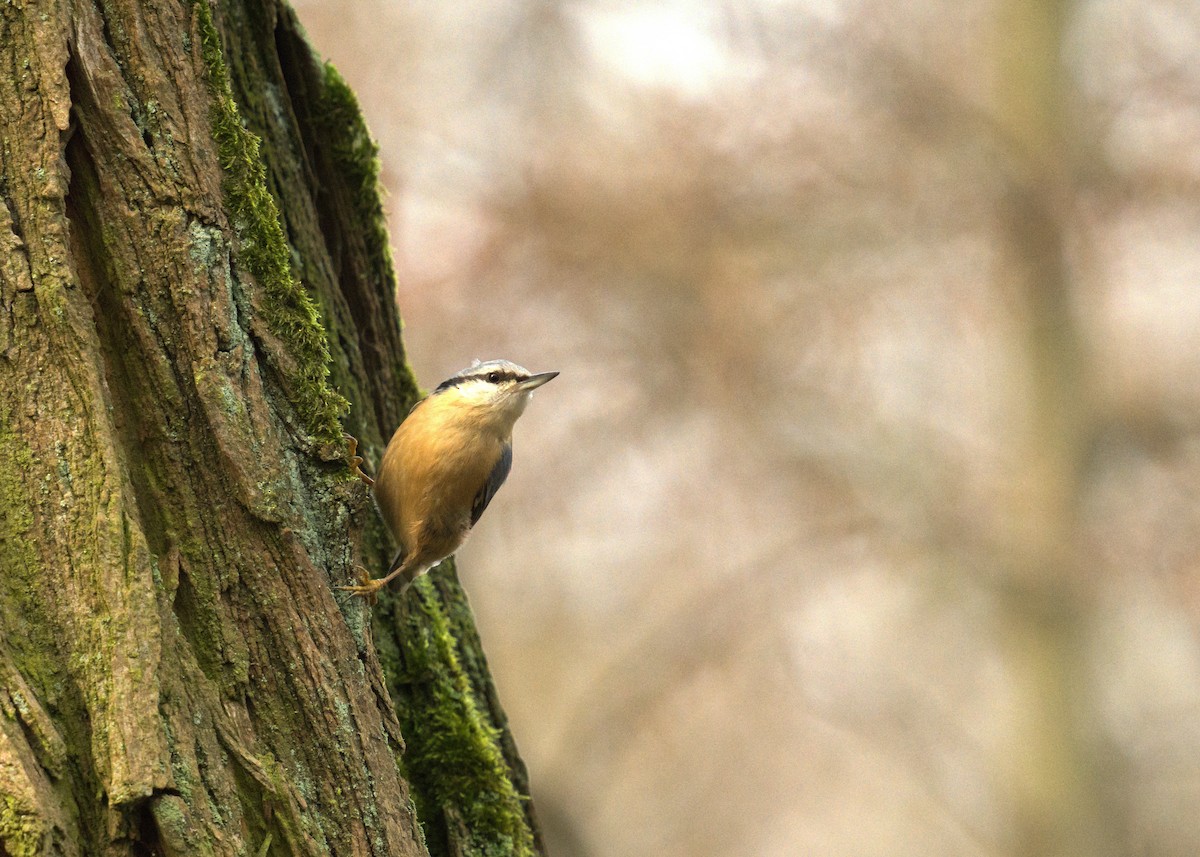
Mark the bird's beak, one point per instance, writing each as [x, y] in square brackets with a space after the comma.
[535, 381]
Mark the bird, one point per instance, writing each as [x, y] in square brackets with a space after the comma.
[445, 463]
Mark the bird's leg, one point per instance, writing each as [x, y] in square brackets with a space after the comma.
[368, 587]
[355, 460]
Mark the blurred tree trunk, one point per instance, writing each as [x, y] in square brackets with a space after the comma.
[1056, 779]
[194, 272]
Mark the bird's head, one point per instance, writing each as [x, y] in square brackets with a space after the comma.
[494, 392]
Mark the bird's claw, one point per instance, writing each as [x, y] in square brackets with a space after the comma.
[355, 460]
[367, 587]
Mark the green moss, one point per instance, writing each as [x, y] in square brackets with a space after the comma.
[32, 651]
[356, 156]
[16, 518]
[21, 833]
[291, 313]
[453, 756]
[175, 825]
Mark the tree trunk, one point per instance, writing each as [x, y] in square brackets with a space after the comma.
[196, 292]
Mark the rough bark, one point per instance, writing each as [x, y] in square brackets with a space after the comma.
[195, 293]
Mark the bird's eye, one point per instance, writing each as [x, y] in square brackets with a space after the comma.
[493, 377]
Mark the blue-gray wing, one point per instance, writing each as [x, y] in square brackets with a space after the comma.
[494, 481]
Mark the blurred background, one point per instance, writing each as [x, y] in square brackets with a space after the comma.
[864, 518]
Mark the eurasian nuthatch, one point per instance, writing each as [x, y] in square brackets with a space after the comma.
[445, 464]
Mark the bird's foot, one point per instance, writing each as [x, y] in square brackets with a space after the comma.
[355, 460]
[367, 587]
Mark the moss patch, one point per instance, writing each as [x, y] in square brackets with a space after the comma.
[291, 313]
[33, 651]
[355, 154]
[453, 756]
[22, 833]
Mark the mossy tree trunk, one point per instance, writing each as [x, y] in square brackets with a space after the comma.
[195, 295]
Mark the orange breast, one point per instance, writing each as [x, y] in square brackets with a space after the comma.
[432, 469]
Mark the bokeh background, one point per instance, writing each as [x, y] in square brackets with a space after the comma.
[864, 518]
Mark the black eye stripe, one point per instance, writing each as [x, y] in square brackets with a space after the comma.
[490, 377]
